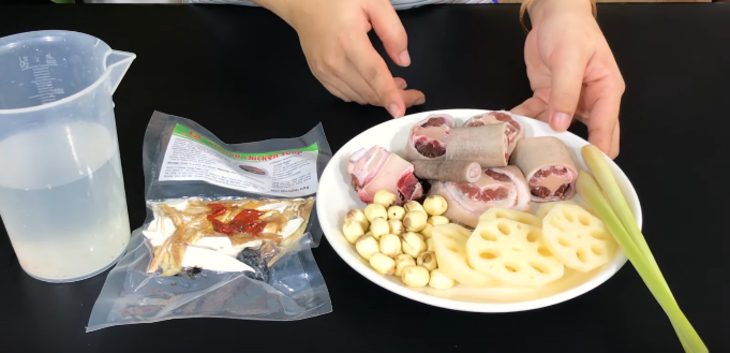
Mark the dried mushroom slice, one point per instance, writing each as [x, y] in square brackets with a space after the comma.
[577, 238]
[449, 242]
[512, 253]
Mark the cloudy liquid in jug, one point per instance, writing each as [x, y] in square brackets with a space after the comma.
[62, 201]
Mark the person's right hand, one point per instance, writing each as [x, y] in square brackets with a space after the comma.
[334, 37]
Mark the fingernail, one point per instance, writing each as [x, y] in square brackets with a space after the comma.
[560, 121]
[405, 59]
[404, 85]
[420, 101]
[393, 110]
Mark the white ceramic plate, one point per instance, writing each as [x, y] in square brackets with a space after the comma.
[336, 196]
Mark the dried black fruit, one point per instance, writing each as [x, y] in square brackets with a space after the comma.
[253, 258]
[190, 272]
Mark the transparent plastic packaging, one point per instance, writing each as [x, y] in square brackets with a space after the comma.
[184, 162]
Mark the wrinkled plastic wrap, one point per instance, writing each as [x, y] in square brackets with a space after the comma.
[292, 288]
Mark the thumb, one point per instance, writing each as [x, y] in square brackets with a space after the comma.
[390, 30]
[567, 67]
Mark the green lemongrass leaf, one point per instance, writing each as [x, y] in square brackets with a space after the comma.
[596, 161]
[601, 171]
[607, 184]
[645, 266]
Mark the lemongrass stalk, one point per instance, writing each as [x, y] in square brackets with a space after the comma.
[608, 186]
[601, 171]
[642, 261]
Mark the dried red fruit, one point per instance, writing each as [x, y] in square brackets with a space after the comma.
[254, 228]
[248, 215]
[223, 228]
[247, 221]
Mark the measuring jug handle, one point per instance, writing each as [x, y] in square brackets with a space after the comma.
[117, 63]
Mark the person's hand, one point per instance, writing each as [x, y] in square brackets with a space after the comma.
[334, 37]
[572, 72]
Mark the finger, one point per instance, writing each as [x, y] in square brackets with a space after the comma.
[616, 141]
[334, 84]
[410, 97]
[602, 122]
[333, 89]
[390, 30]
[567, 67]
[413, 97]
[599, 134]
[532, 107]
[359, 85]
[347, 90]
[400, 82]
[375, 73]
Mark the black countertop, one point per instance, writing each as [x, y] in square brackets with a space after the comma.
[240, 73]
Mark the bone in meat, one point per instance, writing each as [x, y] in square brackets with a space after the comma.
[514, 130]
[428, 137]
[496, 187]
[548, 167]
[484, 144]
[456, 171]
[378, 169]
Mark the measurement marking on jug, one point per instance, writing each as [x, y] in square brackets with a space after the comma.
[42, 77]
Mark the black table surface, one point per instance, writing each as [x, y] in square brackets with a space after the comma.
[240, 72]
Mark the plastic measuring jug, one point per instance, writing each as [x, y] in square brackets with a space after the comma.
[62, 197]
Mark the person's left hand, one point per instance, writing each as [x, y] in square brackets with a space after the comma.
[572, 72]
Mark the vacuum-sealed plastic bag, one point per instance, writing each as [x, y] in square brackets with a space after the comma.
[228, 231]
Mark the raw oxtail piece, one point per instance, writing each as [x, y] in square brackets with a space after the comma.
[376, 169]
[429, 137]
[497, 187]
[437, 138]
[548, 166]
[486, 145]
[456, 171]
[513, 129]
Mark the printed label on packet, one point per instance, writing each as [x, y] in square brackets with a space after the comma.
[190, 156]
